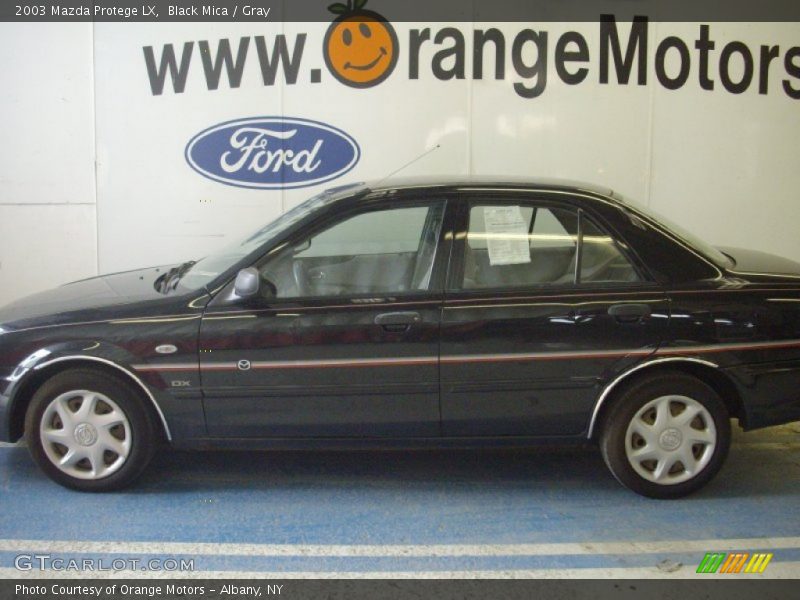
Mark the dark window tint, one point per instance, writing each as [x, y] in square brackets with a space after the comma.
[601, 259]
[512, 245]
[377, 252]
[516, 246]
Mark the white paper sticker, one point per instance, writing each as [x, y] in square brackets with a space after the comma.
[506, 235]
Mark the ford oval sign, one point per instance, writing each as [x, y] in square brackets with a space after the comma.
[272, 152]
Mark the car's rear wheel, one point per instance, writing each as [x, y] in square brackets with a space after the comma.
[89, 431]
[666, 435]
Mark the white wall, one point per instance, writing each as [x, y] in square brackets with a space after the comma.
[727, 166]
[723, 165]
[48, 230]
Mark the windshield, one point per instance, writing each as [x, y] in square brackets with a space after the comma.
[207, 269]
[707, 250]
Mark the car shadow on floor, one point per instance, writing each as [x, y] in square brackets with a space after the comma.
[748, 471]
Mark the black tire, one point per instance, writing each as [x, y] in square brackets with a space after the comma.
[626, 406]
[142, 427]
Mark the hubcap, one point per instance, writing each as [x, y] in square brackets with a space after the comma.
[85, 434]
[670, 440]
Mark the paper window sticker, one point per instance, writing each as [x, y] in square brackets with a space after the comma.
[506, 235]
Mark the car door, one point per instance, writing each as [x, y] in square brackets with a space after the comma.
[347, 345]
[542, 306]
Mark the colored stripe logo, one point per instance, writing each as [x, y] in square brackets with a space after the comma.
[734, 562]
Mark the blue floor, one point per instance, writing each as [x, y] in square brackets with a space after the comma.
[409, 498]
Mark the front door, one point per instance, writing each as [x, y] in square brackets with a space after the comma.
[347, 344]
[543, 305]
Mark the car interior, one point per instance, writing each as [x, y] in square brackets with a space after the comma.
[378, 252]
[381, 253]
[551, 236]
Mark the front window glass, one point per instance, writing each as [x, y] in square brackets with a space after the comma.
[207, 269]
[378, 252]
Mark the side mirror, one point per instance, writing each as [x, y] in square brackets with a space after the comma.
[247, 283]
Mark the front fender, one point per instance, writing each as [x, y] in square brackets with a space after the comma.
[29, 370]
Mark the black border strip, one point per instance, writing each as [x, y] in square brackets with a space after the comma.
[710, 587]
[530, 11]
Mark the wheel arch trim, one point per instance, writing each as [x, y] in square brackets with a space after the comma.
[130, 374]
[625, 374]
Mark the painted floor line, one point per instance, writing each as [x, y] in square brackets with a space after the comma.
[417, 550]
[784, 570]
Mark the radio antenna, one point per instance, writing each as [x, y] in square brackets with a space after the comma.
[408, 164]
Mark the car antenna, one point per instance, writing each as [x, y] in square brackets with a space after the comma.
[409, 163]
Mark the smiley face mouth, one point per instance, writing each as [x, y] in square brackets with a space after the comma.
[368, 66]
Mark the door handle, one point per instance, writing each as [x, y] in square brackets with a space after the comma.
[629, 313]
[581, 316]
[397, 321]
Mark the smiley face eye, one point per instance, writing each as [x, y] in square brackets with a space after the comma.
[347, 37]
[365, 30]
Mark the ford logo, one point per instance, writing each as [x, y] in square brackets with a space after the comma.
[272, 152]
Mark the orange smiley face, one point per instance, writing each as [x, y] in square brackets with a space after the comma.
[360, 46]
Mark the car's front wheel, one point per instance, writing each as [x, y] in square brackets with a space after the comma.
[666, 435]
[89, 431]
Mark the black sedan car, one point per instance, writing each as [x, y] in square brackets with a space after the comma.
[414, 313]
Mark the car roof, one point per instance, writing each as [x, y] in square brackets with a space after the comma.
[478, 181]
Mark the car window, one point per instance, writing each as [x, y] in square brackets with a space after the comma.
[206, 269]
[376, 252]
[517, 245]
[380, 232]
[511, 246]
[602, 261]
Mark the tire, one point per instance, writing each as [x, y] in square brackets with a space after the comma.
[99, 419]
[659, 422]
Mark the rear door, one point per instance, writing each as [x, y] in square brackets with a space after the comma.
[543, 304]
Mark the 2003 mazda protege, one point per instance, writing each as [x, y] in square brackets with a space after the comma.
[414, 313]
